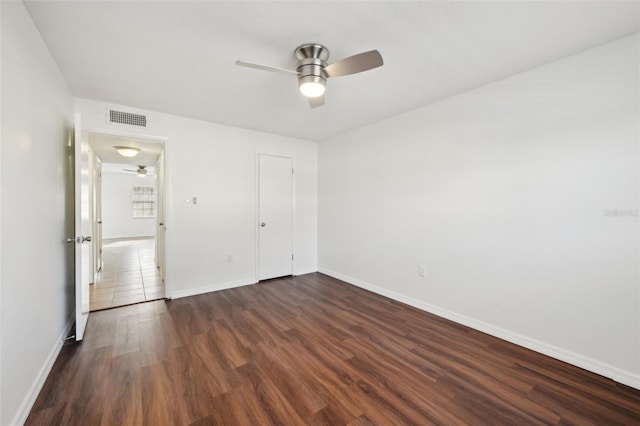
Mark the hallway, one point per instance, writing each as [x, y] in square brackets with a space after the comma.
[129, 274]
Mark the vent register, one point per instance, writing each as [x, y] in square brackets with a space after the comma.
[127, 118]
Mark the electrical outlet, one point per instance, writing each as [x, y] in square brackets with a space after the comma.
[229, 258]
[422, 271]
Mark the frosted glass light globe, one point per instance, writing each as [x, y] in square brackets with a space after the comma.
[312, 89]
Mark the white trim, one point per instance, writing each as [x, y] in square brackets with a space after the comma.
[126, 133]
[256, 242]
[293, 215]
[165, 214]
[305, 271]
[35, 388]
[212, 287]
[621, 376]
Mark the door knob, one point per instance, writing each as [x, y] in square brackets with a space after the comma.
[71, 240]
[263, 224]
[86, 239]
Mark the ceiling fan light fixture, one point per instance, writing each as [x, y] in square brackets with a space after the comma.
[127, 151]
[311, 86]
[312, 89]
[313, 70]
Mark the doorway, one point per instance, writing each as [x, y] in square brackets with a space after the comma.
[275, 216]
[129, 274]
[127, 212]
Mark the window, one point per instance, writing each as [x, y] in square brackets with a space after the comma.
[144, 201]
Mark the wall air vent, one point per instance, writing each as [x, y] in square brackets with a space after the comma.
[127, 118]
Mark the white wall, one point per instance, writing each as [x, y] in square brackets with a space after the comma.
[37, 264]
[117, 207]
[217, 164]
[501, 192]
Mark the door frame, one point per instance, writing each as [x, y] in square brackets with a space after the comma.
[161, 202]
[82, 261]
[293, 212]
[97, 218]
[94, 212]
[154, 139]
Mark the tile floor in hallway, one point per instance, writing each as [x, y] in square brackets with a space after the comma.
[129, 274]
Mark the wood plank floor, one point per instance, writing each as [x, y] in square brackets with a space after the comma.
[311, 350]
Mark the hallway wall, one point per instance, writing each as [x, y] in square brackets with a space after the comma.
[117, 207]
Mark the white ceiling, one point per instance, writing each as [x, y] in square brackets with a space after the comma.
[104, 148]
[178, 57]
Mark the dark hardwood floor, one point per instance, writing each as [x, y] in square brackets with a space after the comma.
[311, 350]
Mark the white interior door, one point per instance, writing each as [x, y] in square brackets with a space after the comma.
[82, 226]
[275, 216]
[97, 240]
[92, 213]
[160, 234]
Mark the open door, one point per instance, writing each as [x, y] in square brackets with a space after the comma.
[97, 219]
[82, 226]
[160, 234]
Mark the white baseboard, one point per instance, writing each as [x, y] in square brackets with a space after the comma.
[227, 285]
[621, 376]
[30, 398]
[210, 288]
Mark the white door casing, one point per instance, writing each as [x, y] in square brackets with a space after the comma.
[97, 240]
[92, 213]
[82, 226]
[275, 216]
[160, 217]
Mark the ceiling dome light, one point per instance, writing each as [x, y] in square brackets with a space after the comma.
[127, 151]
[312, 89]
[311, 86]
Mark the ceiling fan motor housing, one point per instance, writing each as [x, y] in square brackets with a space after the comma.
[312, 58]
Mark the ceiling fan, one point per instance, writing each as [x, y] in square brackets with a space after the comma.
[142, 170]
[312, 69]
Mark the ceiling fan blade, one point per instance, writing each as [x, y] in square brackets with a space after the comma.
[355, 64]
[266, 67]
[316, 102]
[128, 170]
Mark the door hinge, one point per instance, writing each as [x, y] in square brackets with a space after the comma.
[291, 257]
[291, 171]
